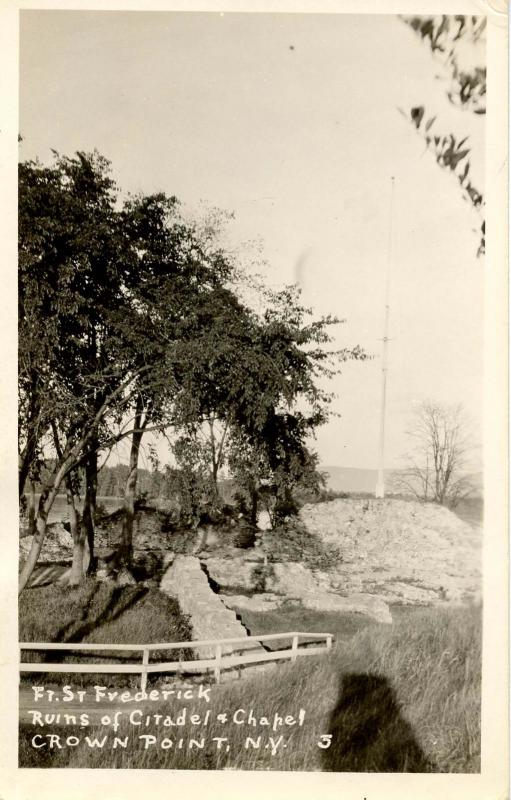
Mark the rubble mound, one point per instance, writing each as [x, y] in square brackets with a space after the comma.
[57, 546]
[353, 554]
[402, 551]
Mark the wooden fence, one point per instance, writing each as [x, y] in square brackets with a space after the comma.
[220, 661]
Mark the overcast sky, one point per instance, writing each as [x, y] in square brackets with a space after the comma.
[291, 122]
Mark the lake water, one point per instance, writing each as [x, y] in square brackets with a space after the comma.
[59, 509]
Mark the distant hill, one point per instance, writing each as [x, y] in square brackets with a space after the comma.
[351, 479]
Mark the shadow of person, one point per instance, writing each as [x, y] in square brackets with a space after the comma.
[369, 733]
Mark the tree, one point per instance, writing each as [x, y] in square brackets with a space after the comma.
[89, 348]
[259, 377]
[178, 292]
[466, 90]
[438, 459]
[130, 322]
[71, 304]
[108, 294]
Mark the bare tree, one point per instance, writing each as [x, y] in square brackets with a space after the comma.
[438, 458]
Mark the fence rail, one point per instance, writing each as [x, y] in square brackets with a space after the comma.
[220, 661]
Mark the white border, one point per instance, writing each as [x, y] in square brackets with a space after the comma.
[75, 784]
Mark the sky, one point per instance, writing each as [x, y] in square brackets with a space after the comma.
[291, 122]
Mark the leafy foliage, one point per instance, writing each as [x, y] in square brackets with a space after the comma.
[452, 155]
[258, 378]
[444, 34]
[129, 322]
[467, 90]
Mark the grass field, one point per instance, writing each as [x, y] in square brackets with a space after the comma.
[394, 698]
[98, 612]
[297, 618]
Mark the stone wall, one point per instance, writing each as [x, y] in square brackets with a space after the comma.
[187, 582]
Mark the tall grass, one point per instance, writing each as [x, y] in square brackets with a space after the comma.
[294, 617]
[101, 613]
[395, 698]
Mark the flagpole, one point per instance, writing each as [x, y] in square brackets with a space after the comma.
[380, 483]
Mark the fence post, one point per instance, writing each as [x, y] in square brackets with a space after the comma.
[294, 648]
[328, 642]
[218, 660]
[145, 662]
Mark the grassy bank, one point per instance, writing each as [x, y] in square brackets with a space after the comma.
[394, 698]
[98, 612]
[297, 618]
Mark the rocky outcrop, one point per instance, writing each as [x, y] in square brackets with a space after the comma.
[401, 551]
[57, 545]
[241, 571]
[380, 552]
[291, 579]
[274, 584]
[383, 552]
[256, 602]
[366, 604]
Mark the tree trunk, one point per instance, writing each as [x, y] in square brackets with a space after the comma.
[216, 455]
[45, 503]
[214, 463]
[253, 507]
[254, 498]
[126, 546]
[31, 509]
[35, 549]
[81, 553]
[70, 458]
[80, 560]
[27, 455]
[214, 476]
[89, 504]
